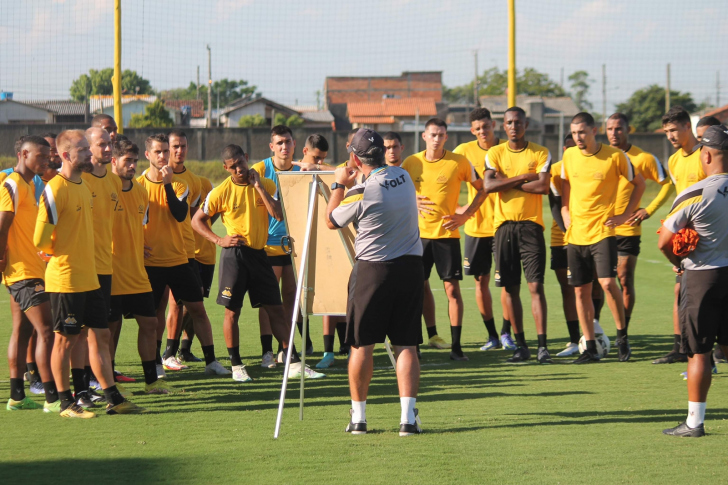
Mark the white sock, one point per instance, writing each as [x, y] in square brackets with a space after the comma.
[360, 411]
[696, 414]
[597, 328]
[408, 410]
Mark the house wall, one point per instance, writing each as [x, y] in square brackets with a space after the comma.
[16, 112]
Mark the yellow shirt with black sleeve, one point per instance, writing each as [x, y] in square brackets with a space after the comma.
[685, 170]
[242, 210]
[650, 168]
[65, 230]
[194, 185]
[558, 238]
[205, 251]
[439, 180]
[162, 233]
[481, 224]
[594, 182]
[105, 193]
[127, 249]
[22, 260]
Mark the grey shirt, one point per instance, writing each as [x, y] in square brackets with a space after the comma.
[384, 210]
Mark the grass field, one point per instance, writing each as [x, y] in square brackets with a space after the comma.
[485, 421]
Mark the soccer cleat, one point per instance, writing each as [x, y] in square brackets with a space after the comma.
[94, 384]
[187, 357]
[240, 374]
[96, 397]
[570, 349]
[119, 377]
[160, 372]
[76, 411]
[160, 386]
[309, 350]
[719, 356]
[23, 404]
[684, 375]
[623, 349]
[124, 407]
[84, 400]
[171, 363]
[37, 387]
[406, 429]
[438, 342]
[492, 344]
[507, 342]
[309, 373]
[685, 431]
[671, 358]
[268, 361]
[327, 361]
[586, 358]
[54, 407]
[460, 357]
[356, 428]
[216, 368]
[543, 356]
[521, 354]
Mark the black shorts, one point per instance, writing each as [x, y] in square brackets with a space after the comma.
[478, 255]
[28, 293]
[183, 282]
[282, 260]
[519, 243]
[246, 270]
[584, 260]
[628, 245]
[128, 306]
[195, 270]
[703, 310]
[385, 300]
[105, 282]
[207, 273]
[558, 258]
[72, 311]
[445, 255]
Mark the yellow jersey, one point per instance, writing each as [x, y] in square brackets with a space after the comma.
[481, 224]
[22, 260]
[242, 210]
[685, 170]
[205, 251]
[594, 181]
[439, 180]
[558, 238]
[194, 185]
[68, 207]
[105, 193]
[127, 249]
[162, 232]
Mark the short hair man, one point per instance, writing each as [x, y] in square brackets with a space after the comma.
[54, 163]
[106, 123]
[703, 294]
[387, 282]
[437, 175]
[591, 173]
[703, 124]
[393, 149]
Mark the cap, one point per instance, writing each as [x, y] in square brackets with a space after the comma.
[715, 137]
[364, 140]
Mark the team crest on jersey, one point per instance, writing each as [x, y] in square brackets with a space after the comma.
[598, 176]
[258, 201]
[70, 321]
[141, 209]
[39, 288]
[114, 196]
[227, 293]
[442, 179]
[531, 165]
[692, 177]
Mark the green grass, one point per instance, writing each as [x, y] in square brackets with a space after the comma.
[485, 421]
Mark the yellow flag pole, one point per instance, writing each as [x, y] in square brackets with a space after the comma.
[511, 53]
[118, 114]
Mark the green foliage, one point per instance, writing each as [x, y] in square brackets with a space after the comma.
[580, 84]
[99, 82]
[292, 121]
[494, 82]
[252, 121]
[155, 116]
[230, 90]
[647, 105]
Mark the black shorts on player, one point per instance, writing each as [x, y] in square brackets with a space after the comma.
[105, 282]
[703, 310]
[28, 293]
[128, 306]
[585, 260]
[445, 255]
[385, 300]
[196, 271]
[559, 260]
[73, 311]
[628, 245]
[181, 279]
[519, 243]
[207, 273]
[281, 260]
[246, 270]
[478, 255]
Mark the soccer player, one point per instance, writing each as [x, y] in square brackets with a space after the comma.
[245, 200]
[393, 149]
[106, 123]
[591, 173]
[387, 282]
[518, 173]
[437, 175]
[704, 288]
[64, 229]
[703, 124]
[167, 265]
[23, 274]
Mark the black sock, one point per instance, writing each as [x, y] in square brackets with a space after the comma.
[88, 376]
[66, 399]
[490, 327]
[521, 339]
[626, 322]
[294, 357]
[542, 340]
[328, 343]
[280, 347]
[591, 346]
[431, 331]
[598, 304]
[455, 334]
[33, 374]
[172, 347]
[677, 343]
[184, 346]
[341, 332]
[506, 328]
[209, 351]
[113, 396]
[78, 376]
[622, 333]
[51, 393]
[159, 350]
[299, 324]
[17, 389]
[234, 353]
[573, 326]
[113, 370]
[150, 371]
[266, 343]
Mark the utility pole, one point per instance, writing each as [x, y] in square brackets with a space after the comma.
[604, 98]
[218, 108]
[717, 89]
[667, 90]
[562, 79]
[209, 86]
[476, 99]
[198, 82]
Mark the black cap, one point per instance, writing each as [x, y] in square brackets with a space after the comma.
[715, 137]
[364, 140]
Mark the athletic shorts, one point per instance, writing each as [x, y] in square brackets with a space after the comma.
[181, 279]
[628, 245]
[516, 244]
[73, 311]
[105, 282]
[478, 255]
[703, 310]
[28, 293]
[284, 260]
[196, 271]
[207, 273]
[445, 255]
[385, 300]
[584, 260]
[558, 258]
[128, 306]
[246, 270]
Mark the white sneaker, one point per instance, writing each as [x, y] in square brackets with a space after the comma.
[171, 363]
[295, 372]
[160, 372]
[240, 374]
[269, 360]
[570, 349]
[597, 328]
[216, 368]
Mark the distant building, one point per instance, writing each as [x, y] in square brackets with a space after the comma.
[251, 106]
[314, 117]
[14, 112]
[390, 114]
[544, 113]
[720, 113]
[64, 110]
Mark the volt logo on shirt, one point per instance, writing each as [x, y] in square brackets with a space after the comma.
[393, 183]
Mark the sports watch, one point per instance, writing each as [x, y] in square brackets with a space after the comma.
[337, 185]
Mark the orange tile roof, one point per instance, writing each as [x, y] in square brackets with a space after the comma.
[372, 120]
[400, 107]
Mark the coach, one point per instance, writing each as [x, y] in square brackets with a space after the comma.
[386, 284]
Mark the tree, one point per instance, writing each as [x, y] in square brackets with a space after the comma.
[647, 105]
[229, 91]
[580, 84]
[155, 116]
[99, 82]
[252, 121]
[494, 82]
[292, 121]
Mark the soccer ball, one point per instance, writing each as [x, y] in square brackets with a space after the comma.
[601, 340]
